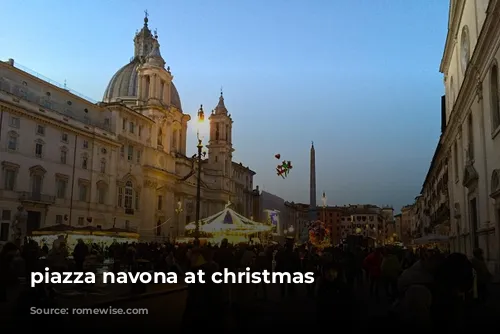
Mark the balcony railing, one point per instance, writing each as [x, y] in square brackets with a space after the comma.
[34, 197]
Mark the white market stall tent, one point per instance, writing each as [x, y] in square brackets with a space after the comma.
[229, 222]
[431, 238]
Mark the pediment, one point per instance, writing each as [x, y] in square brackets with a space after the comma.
[37, 169]
[495, 184]
[470, 176]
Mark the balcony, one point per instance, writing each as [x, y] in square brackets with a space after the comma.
[129, 211]
[32, 197]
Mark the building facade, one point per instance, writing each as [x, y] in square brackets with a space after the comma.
[407, 228]
[331, 215]
[369, 221]
[471, 140]
[121, 162]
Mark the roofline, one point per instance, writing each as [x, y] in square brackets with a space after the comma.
[17, 69]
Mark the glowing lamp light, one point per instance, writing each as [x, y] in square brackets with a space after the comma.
[291, 229]
[358, 230]
[202, 128]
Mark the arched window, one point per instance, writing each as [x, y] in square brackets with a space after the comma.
[129, 195]
[495, 105]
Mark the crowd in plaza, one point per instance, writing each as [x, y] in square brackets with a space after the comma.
[426, 289]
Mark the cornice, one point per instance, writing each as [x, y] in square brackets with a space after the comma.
[484, 52]
[8, 107]
[452, 34]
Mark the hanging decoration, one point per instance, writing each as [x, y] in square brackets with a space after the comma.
[283, 169]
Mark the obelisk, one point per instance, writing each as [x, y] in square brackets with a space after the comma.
[312, 185]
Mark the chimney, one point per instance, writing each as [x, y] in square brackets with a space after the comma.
[10, 62]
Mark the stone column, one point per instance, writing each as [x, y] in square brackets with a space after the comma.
[144, 84]
[183, 137]
[152, 88]
[178, 134]
[168, 137]
[140, 88]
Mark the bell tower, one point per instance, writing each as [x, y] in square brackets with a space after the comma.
[220, 145]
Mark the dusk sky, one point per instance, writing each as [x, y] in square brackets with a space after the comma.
[359, 78]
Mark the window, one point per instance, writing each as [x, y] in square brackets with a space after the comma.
[64, 137]
[4, 231]
[82, 192]
[80, 221]
[40, 130]
[160, 202]
[39, 149]
[64, 155]
[6, 215]
[101, 194]
[9, 179]
[85, 144]
[103, 166]
[138, 156]
[85, 161]
[130, 153]
[137, 200]
[470, 138]
[129, 191]
[122, 151]
[36, 184]
[12, 144]
[139, 131]
[455, 160]
[107, 123]
[131, 127]
[124, 124]
[59, 219]
[494, 93]
[120, 197]
[61, 185]
[14, 122]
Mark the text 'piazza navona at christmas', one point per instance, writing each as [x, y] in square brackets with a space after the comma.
[118, 163]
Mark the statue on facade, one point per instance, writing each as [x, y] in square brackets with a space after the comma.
[19, 225]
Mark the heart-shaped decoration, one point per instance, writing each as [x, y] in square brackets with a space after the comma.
[277, 156]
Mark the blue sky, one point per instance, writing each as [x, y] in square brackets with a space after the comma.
[358, 77]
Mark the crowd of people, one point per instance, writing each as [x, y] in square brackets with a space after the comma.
[425, 290]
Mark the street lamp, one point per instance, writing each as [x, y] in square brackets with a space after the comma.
[178, 211]
[291, 229]
[201, 119]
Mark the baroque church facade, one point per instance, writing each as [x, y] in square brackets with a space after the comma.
[117, 163]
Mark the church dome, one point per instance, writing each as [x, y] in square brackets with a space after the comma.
[124, 84]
